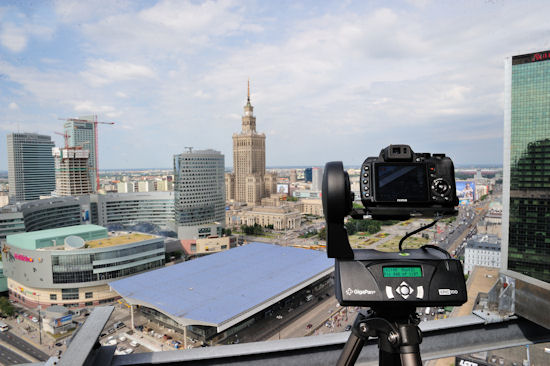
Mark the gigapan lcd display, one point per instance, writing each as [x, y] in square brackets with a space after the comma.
[401, 182]
[405, 271]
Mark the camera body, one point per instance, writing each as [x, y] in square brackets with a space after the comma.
[400, 178]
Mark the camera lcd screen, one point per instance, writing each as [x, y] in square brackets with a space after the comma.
[415, 271]
[401, 183]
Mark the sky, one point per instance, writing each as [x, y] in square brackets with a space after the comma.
[330, 80]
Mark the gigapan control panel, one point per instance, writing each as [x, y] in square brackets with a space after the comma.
[416, 277]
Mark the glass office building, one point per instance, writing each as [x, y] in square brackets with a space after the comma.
[527, 165]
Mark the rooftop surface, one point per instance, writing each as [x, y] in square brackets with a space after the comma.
[118, 240]
[216, 288]
[50, 237]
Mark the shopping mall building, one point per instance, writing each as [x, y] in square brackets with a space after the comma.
[72, 266]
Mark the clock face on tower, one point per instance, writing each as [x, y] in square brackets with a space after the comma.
[247, 113]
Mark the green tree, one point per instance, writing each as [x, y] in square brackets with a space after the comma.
[5, 307]
[323, 233]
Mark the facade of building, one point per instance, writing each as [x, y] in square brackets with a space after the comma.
[125, 187]
[311, 207]
[526, 184]
[308, 175]
[73, 266]
[199, 247]
[72, 173]
[317, 179]
[105, 209]
[249, 175]
[81, 133]
[482, 250]
[199, 193]
[137, 207]
[526, 188]
[282, 217]
[31, 172]
[146, 186]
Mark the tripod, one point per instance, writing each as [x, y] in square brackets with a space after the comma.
[398, 337]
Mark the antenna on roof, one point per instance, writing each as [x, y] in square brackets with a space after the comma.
[189, 149]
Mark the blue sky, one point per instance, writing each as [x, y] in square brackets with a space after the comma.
[329, 80]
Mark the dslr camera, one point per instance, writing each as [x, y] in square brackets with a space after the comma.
[399, 178]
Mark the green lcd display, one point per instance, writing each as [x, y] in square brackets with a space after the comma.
[412, 271]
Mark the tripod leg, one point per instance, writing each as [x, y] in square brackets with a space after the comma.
[351, 350]
[411, 337]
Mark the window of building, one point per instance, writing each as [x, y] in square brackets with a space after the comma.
[89, 295]
[89, 303]
[193, 247]
[69, 294]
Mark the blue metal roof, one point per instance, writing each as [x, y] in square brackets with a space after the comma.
[220, 286]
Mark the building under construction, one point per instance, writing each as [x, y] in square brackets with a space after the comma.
[72, 172]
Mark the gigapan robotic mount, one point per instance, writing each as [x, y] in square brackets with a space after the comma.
[398, 184]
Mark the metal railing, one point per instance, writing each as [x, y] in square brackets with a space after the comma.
[441, 338]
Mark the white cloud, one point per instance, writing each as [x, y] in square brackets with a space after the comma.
[13, 106]
[13, 38]
[168, 28]
[101, 72]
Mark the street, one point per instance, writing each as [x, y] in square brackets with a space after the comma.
[8, 357]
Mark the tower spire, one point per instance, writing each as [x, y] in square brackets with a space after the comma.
[248, 94]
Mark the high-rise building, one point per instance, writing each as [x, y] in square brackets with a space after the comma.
[249, 174]
[125, 187]
[199, 193]
[71, 172]
[526, 184]
[308, 174]
[317, 179]
[293, 176]
[31, 171]
[81, 133]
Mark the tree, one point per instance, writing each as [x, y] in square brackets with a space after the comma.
[323, 233]
[5, 307]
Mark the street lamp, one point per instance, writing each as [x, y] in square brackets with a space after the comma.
[39, 319]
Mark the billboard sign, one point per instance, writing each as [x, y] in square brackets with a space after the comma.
[283, 188]
[465, 191]
[85, 214]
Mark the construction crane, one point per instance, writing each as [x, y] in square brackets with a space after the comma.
[95, 122]
[66, 136]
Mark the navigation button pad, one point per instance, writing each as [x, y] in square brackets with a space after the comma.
[404, 290]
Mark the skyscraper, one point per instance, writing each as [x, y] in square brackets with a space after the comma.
[526, 188]
[82, 133]
[249, 175]
[71, 172]
[30, 166]
[317, 178]
[199, 193]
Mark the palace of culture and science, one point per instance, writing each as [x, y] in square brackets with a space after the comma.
[249, 182]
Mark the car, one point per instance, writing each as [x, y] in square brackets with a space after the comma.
[111, 331]
[59, 344]
[309, 326]
[34, 319]
[122, 338]
[348, 327]
[279, 317]
[134, 344]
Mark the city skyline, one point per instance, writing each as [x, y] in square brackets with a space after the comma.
[323, 86]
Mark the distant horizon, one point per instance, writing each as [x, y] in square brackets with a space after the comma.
[457, 166]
